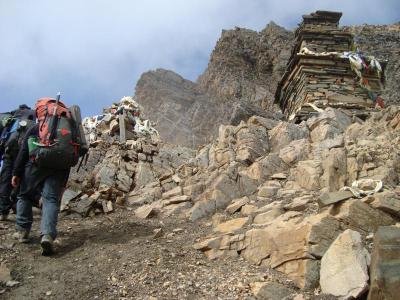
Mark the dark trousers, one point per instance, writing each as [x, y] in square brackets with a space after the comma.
[5, 186]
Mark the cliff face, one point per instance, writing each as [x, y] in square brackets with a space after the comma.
[184, 114]
[241, 80]
[246, 65]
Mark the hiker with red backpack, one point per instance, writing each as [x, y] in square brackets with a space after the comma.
[12, 131]
[48, 152]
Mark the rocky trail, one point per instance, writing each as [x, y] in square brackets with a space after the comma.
[119, 256]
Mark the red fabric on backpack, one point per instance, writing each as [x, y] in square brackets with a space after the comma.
[46, 108]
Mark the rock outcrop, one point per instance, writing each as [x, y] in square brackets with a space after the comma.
[270, 194]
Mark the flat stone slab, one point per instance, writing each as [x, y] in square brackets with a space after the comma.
[145, 212]
[333, 197]
[270, 290]
[279, 176]
[237, 205]
[231, 225]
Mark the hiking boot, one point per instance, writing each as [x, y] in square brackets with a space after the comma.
[47, 245]
[21, 236]
[3, 217]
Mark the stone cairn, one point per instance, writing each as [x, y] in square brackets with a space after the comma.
[125, 154]
[320, 72]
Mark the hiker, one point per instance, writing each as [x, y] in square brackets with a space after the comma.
[49, 150]
[13, 128]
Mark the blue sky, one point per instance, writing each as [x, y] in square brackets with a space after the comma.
[94, 51]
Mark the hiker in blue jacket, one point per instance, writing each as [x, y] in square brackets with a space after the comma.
[13, 129]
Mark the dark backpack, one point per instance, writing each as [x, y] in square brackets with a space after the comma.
[13, 132]
[59, 145]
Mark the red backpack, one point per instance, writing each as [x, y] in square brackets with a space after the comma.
[59, 142]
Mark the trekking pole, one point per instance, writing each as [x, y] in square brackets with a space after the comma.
[80, 164]
[84, 158]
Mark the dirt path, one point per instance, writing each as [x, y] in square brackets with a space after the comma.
[118, 257]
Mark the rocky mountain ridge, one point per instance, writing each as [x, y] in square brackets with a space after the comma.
[242, 76]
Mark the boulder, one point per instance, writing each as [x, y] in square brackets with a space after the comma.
[213, 198]
[334, 165]
[258, 245]
[304, 272]
[106, 175]
[299, 203]
[385, 264]
[237, 204]
[194, 190]
[267, 217]
[270, 206]
[308, 173]
[357, 215]
[145, 211]
[146, 195]
[269, 189]
[329, 198]
[67, 197]
[228, 187]
[144, 174]
[328, 124]
[85, 204]
[263, 169]
[270, 290]
[177, 191]
[344, 267]
[284, 133]
[176, 200]
[231, 225]
[295, 151]
[251, 143]
[264, 122]
[292, 245]
[211, 243]
[248, 209]
[386, 201]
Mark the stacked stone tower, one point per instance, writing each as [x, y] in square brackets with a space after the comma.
[320, 72]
